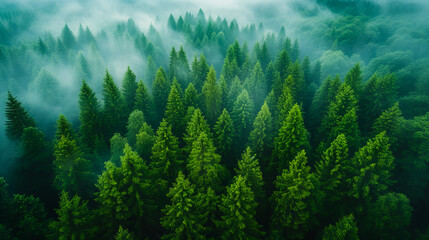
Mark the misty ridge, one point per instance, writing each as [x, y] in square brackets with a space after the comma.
[215, 102]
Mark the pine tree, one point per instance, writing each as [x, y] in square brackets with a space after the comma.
[373, 164]
[72, 172]
[354, 80]
[183, 72]
[238, 209]
[191, 97]
[123, 192]
[68, 38]
[248, 167]
[64, 128]
[242, 116]
[203, 163]
[200, 69]
[17, 118]
[129, 88]
[345, 228]
[172, 22]
[181, 218]
[291, 140]
[292, 209]
[124, 234]
[114, 107]
[89, 116]
[282, 63]
[143, 101]
[256, 85]
[173, 63]
[234, 90]
[74, 218]
[145, 139]
[160, 93]
[166, 160]
[212, 95]
[389, 121]
[262, 135]
[174, 111]
[195, 127]
[285, 103]
[224, 134]
[135, 122]
[117, 144]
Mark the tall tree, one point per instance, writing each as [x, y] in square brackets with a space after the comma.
[114, 107]
[160, 93]
[145, 139]
[174, 111]
[389, 121]
[196, 125]
[129, 88]
[17, 118]
[238, 209]
[354, 80]
[224, 133]
[262, 135]
[291, 140]
[212, 95]
[242, 115]
[256, 86]
[181, 217]
[292, 206]
[191, 97]
[89, 117]
[143, 101]
[345, 228]
[248, 167]
[135, 122]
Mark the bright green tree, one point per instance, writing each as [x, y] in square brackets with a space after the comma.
[389, 121]
[292, 139]
[160, 92]
[181, 219]
[262, 135]
[354, 80]
[135, 122]
[143, 101]
[235, 89]
[256, 85]
[166, 160]
[242, 115]
[64, 128]
[191, 97]
[345, 228]
[238, 209]
[196, 125]
[145, 139]
[174, 111]
[248, 167]
[285, 103]
[124, 234]
[224, 133]
[17, 118]
[114, 107]
[212, 96]
[292, 206]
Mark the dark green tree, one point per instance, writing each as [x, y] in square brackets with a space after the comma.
[89, 117]
[129, 88]
[196, 125]
[191, 97]
[212, 95]
[345, 228]
[248, 167]
[224, 134]
[114, 107]
[174, 112]
[389, 121]
[242, 116]
[354, 80]
[261, 138]
[135, 122]
[145, 139]
[17, 118]
[160, 92]
[143, 101]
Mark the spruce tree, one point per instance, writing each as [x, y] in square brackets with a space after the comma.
[242, 116]
[160, 93]
[292, 207]
[212, 95]
[354, 80]
[145, 139]
[389, 121]
[64, 128]
[191, 97]
[89, 117]
[143, 101]
[224, 132]
[135, 122]
[174, 111]
[261, 137]
[345, 228]
[117, 144]
[248, 167]
[196, 125]
[234, 90]
[17, 118]
[238, 209]
[129, 88]
[291, 140]
[114, 107]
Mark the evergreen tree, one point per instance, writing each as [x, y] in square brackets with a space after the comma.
[160, 92]
[262, 135]
[173, 63]
[212, 95]
[135, 122]
[181, 218]
[389, 121]
[117, 144]
[235, 90]
[373, 165]
[196, 125]
[238, 209]
[64, 128]
[292, 208]
[166, 160]
[256, 86]
[224, 134]
[114, 107]
[145, 139]
[282, 63]
[89, 129]
[143, 101]
[74, 218]
[200, 69]
[291, 140]
[191, 97]
[17, 118]
[172, 22]
[68, 38]
[248, 167]
[174, 111]
[123, 234]
[183, 72]
[345, 228]
[129, 88]
[242, 115]
[354, 80]
[285, 103]
[203, 163]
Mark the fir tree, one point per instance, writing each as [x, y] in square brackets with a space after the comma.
[117, 144]
[196, 125]
[129, 88]
[389, 121]
[212, 95]
[354, 80]
[248, 167]
[174, 111]
[191, 97]
[160, 93]
[145, 140]
[345, 228]
[17, 118]
[143, 101]
[114, 107]
[89, 116]
[262, 135]
[135, 122]
[224, 133]
[242, 115]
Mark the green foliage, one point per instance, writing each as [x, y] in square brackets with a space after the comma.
[123, 234]
[196, 125]
[292, 210]
[129, 88]
[29, 218]
[117, 144]
[74, 218]
[291, 140]
[191, 97]
[174, 111]
[145, 140]
[238, 209]
[389, 121]
[17, 118]
[160, 92]
[64, 128]
[354, 79]
[242, 115]
[114, 108]
[143, 101]
[261, 137]
[345, 228]
[224, 133]
[135, 122]
[182, 220]
[248, 168]
[212, 95]
[89, 116]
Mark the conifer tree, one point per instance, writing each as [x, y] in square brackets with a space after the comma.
[114, 107]
[212, 95]
[166, 160]
[173, 63]
[183, 72]
[174, 111]
[203, 163]
[248, 167]
[200, 70]
[196, 125]
[89, 117]
[224, 133]
[124, 234]
[238, 209]
[256, 86]
[135, 122]
[285, 103]
[292, 207]
[191, 97]
[181, 218]
[17, 118]
[282, 63]
[242, 116]
[389, 121]
[234, 90]
[291, 140]
[74, 218]
[345, 228]
[373, 166]
[143, 101]
[354, 80]
[68, 38]
[129, 88]
[145, 140]
[160, 92]
[64, 128]
[172, 22]
[117, 144]
[262, 135]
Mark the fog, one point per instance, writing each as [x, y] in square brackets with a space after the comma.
[304, 20]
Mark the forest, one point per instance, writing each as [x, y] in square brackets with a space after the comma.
[186, 120]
